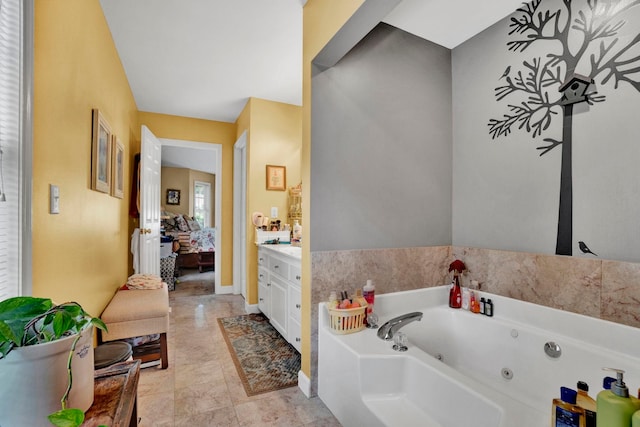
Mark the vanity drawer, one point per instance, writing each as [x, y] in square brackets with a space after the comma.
[279, 267]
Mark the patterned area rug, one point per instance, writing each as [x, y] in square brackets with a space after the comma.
[264, 359]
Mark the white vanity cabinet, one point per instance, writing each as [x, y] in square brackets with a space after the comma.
[279, 294]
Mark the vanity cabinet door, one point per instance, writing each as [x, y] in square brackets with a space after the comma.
[294, 331]
[279, 305]
[264, 292]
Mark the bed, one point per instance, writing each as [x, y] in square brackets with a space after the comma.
[196, 245]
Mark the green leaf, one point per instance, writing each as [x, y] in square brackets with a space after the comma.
[62, 322]
[67, 418]
[23, 307]
[98, 323]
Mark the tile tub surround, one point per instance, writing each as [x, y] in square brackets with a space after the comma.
[603, 289]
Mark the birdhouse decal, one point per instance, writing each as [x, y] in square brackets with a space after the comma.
[575, 89]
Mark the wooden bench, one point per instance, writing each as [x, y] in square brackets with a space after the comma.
[135, 313]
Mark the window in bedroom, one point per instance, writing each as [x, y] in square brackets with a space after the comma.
[202, 203]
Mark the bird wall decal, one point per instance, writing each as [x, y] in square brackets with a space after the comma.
[585, 249]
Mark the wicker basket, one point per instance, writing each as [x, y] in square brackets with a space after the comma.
[347, 320]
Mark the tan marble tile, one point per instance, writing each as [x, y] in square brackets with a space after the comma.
[196, 373]
[223, 417]
[267, 412]
[154, 380]
[201, 397]
[156, 408]
[621, 292]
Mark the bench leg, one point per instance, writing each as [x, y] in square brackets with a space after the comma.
[164, 356]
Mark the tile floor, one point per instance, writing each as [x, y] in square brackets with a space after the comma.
[201, 387]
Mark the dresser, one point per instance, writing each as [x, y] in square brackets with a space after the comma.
[279, 292]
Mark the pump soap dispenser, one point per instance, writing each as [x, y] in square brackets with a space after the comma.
[615, 407]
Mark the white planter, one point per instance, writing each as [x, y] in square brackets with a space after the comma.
[33, 379]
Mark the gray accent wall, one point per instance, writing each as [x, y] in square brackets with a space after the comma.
[381, 146]
[505, 195]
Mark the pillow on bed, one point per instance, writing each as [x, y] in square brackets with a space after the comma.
[181, 223]
[192, 223]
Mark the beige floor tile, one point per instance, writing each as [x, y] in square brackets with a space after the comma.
[201, 387]
[223, 417]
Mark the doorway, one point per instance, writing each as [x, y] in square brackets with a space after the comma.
[205, 157]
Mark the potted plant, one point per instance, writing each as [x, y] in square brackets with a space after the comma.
[39, 340]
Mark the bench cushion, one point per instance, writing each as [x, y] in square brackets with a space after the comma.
[134, 313]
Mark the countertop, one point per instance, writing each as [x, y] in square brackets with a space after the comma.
[292, 251]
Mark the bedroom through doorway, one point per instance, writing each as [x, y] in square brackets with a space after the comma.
[190, 195]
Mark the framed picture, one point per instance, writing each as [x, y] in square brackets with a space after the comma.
[173, 197]
[117, 168]
[276, 178]
[100, 154]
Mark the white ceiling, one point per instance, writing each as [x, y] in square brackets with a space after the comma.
[205, 58]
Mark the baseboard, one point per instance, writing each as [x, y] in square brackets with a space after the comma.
[251, 308]
[223, 290]
[304, 383]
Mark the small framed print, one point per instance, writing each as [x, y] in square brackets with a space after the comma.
[173, 197]
[276, 178]
[117, 168]
[100, 153]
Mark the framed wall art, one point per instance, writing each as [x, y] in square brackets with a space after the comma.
[117, 168]
[100, 153]
[276, 178]
[173, 197]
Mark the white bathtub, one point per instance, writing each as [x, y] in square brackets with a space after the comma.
[466, 369]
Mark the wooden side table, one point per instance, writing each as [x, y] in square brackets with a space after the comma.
[115, 401]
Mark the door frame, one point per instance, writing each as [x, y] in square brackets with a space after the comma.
[216, 153]
[240, 216]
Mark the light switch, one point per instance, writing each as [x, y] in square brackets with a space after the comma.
[54, 199]
[274, 212]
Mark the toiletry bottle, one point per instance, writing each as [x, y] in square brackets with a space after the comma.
[615, 407]
[369, 294]
[482, 305]
[586, 402]
[488, 308]
[565, 412]
[466, 296]
[473, 303]
[297, 231]
[455, 296]
[635, 420]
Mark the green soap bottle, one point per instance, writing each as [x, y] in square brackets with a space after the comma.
[615, 407]
[635, 420]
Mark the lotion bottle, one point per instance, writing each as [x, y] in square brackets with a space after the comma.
[635, 420]
[587, 403]
[565, 412]
[615, 407]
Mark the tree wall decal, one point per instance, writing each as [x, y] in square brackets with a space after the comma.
[581, 36]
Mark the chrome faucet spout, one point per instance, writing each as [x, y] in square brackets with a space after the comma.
[387, 330]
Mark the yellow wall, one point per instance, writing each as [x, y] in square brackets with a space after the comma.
[321, 20]
[82, 253]
[273, 138]
[188, 129]
[175, 179]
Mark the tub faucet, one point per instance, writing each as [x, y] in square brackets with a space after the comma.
[387, 330]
